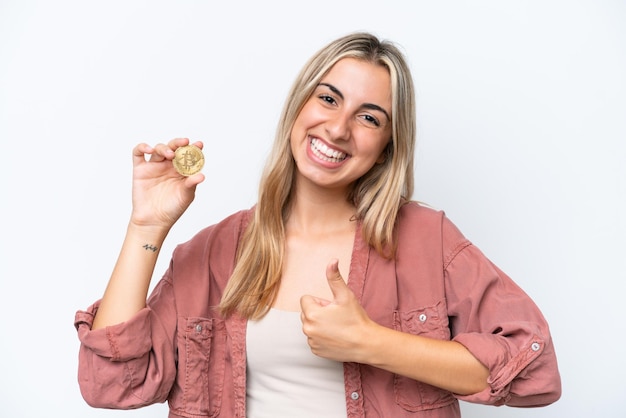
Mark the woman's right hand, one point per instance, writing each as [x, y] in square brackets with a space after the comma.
[160, 195]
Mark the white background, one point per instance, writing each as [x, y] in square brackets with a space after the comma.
[521, 119]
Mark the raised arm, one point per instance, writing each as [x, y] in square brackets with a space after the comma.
[160, 195]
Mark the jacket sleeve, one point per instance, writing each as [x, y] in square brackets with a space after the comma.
[131, 364]
[500, 325]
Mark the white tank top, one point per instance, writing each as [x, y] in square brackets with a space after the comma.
[284, 378]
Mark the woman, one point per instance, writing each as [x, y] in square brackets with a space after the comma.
[334, 296]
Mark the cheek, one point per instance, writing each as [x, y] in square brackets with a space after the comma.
[381, 144]
[295, 145]
[382, 151]
[298, 128]
[381, 158]
[310, 115]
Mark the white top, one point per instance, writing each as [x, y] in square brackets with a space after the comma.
[284, 378]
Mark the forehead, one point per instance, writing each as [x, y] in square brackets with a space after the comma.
[352, 75]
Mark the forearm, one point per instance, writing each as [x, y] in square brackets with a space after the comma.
[128, 286]
[444, 364]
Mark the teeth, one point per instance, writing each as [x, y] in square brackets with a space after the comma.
[322, 151]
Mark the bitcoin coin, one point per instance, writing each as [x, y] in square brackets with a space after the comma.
[188, 160]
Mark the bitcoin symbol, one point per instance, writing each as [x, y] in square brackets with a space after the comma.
[188, 160]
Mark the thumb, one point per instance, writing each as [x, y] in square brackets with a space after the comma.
[335, 281]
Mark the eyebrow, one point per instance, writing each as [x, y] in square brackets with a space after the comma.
[370, 106]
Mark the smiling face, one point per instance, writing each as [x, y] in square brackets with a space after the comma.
[344, 126]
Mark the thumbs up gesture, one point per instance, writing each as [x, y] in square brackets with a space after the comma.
[340, 330]
[336, 329]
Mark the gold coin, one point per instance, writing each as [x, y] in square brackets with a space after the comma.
[188, 160]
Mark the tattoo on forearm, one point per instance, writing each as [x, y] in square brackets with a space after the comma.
[150, 247]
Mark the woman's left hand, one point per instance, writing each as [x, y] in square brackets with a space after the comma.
[337, 329]
[340, 330]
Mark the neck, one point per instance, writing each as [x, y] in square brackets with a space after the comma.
[322, 211]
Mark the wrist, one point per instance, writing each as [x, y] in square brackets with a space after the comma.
[371, 348]
[150, 235]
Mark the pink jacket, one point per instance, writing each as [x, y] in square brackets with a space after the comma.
[181, 350]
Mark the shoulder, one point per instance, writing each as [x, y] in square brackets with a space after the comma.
[233, 223]
[418, 221]
[225, 234]
[419, 216]
[417, 212]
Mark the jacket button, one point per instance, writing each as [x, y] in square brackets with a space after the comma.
[198, 328]
[423, 318]
[354, 396]
[535, 346]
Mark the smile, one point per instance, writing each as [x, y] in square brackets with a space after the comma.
[323, 152]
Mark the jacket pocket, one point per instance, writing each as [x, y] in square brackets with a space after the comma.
[431, 322]
[201, 361]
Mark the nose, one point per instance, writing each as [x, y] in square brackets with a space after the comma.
[338, 127]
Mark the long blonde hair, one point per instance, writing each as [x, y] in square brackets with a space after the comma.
[377, 195]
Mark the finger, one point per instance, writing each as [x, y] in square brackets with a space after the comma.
[140, 151]
[178, 142]
[307, 302]
[193, 181]
[335, 281]
[162, 152]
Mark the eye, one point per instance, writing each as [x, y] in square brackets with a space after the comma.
[371, 119]
[327, 99]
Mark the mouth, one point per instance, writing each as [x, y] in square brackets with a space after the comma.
[323, 152]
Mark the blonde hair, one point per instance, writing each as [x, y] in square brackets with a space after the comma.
[377, 195]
